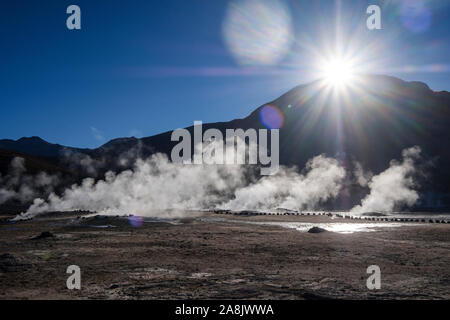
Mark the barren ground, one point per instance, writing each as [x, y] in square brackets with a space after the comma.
[203, 259]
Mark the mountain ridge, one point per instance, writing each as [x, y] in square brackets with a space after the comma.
[370, 122]
[36, 146]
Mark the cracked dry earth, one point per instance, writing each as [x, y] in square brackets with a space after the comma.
[202, 258]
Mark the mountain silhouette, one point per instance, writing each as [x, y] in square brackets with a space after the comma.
[34, 165]
[36, 146]
[371, 122]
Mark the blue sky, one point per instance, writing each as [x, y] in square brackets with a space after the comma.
[143, 67]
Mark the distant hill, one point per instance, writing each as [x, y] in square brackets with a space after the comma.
[371, 122]
[36, 146]
[34, 165]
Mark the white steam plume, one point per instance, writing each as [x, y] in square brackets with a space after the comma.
[154, 184]
[77, 161]
[393, 187]
[22, 187]
[157, 184]
[362, 178]
[289, 189]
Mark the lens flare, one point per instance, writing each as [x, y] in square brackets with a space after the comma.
[258, 32]
[271, 117]
[135, 221]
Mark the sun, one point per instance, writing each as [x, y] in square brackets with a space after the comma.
[337, 72]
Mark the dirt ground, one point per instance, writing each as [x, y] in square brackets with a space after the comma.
[209, 258]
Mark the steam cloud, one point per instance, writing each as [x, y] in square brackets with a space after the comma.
[157, 184]
[362, 177]
[393, 187]
[288, 189]
[154, 184]
[95, 166]
[22, 187]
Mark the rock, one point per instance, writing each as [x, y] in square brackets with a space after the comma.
[9, 263]
[316, 230]
[44, 235]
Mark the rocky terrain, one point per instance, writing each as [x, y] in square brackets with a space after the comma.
[211, 256]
